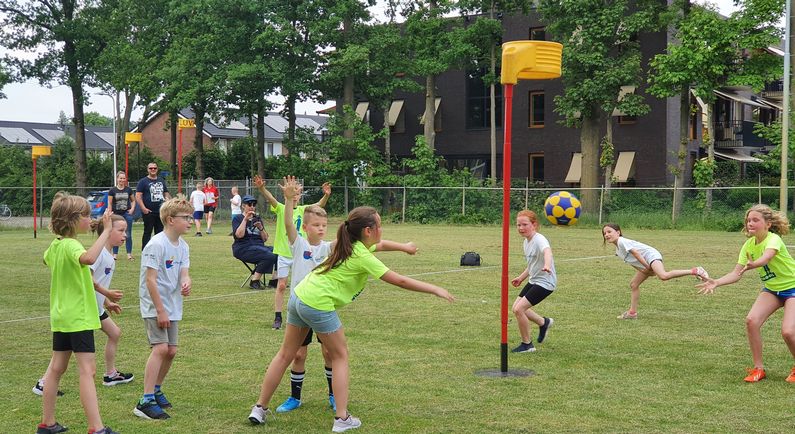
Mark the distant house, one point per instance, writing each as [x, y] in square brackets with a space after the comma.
[220, 133]
[27, 134]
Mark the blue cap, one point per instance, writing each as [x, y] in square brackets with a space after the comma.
[248, 198]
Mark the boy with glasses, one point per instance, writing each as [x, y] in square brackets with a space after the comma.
[150, 193]
[164, 282]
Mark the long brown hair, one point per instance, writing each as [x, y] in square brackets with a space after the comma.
[349, 232]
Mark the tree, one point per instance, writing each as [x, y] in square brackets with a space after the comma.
[61, 35]
[709, 52]
[600, 56]
[97, 120]
[5, 78]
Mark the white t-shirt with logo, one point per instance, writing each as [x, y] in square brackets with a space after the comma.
[305, 258]
[198, 198]
[625, 246]
[534, 254]
[102, 273]
[168, 259]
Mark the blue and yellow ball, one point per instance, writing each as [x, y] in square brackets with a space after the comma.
[562, 208]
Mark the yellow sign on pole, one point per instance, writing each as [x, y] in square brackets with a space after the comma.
[132, 137]
[37, 151]
[187, 123]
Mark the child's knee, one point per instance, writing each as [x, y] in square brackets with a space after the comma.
[171, 352]
[788, 334]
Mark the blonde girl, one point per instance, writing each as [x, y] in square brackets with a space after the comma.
[330, 286]
[73, 308]
[542, 281]
[646, 261]
[765, 251]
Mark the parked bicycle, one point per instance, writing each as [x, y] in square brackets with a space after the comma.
[5, 212]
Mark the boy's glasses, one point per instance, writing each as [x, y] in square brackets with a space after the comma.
[187, 218]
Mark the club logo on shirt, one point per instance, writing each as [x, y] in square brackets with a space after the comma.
[307, 254]
[108, 270]
[170, 262]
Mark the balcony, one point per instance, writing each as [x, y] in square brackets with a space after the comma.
[737, 134]
[773, 90]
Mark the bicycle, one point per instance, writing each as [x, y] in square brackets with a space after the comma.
[5, 212]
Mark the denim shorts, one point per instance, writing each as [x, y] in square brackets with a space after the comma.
[782, 295]
[301, 315]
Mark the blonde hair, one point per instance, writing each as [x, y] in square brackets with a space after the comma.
[314, 211]
[65, 213]
[779, 223]
[174, 206]
[98, 227]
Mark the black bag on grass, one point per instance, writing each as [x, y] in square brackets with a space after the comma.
[470, 259]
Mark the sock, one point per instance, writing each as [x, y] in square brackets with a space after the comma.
[111, 373]
[328, 379]
[296, 383]
[148, 397]
[278, 315]
[157, 388]
[101, 431]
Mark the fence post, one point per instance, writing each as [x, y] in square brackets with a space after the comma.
[463, 197]
[759, 188]
[526, 191]
[673, 202]
[346, 196]
[601, 203]
[403, 211]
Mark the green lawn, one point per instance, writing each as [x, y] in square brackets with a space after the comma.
[679, 368]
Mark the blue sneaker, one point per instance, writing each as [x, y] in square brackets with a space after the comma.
[332, 402]
[161, 400]
[289, 405]
[150, 410]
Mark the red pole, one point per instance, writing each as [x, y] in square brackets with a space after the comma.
[127, 159]
[34, 197]
[179, 162]
[506, 220]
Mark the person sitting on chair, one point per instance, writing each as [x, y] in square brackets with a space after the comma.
[249, 245]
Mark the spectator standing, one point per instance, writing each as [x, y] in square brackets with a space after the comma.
[211, 192]
[150, 193]
[122, 201]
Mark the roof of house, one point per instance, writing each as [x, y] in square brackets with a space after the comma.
[28, 134]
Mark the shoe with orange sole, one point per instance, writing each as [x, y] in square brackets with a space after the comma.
[755, 375]
[791, 377]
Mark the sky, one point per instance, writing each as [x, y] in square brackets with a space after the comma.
[31, 102]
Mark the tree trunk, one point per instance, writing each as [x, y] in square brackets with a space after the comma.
[198, 142]
[129, 103]
[681, 155]
[260, 148]
[387, 157]
[173, 125]
[430, 105]
[347, 89]
[710, 155]
[289, 107]
[76, 86]
[493, 103]
[589, 147]
[609, 165]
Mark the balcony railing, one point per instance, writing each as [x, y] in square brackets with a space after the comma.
[736, 134]
[774, 89]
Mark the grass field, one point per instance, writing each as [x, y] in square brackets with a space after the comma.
[678, 368]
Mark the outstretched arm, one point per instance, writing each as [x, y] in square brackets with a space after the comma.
[392, 246]
[709, 285]
[416, 285]
[260, 183]
[326, 193]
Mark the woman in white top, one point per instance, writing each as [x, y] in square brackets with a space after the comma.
[647, 262]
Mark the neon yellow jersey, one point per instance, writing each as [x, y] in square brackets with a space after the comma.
[342, 284]
[281, 245]
[73, 305]
[779, 273]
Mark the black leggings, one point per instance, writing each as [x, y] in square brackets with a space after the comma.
[151, 222]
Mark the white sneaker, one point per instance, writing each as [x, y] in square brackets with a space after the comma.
[258, 415]
[342, 425]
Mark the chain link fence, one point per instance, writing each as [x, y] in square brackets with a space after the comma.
[715, 208]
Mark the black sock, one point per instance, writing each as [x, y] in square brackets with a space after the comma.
[328, 379]
[278, 315]
[296, 383]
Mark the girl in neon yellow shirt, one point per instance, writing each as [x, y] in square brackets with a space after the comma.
[765, 251]
[332, 285]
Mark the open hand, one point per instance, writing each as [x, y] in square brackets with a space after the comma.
[327, 188]
[707, 286]
[114, 295]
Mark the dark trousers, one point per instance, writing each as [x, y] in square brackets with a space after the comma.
[263, 256]
[151, 222]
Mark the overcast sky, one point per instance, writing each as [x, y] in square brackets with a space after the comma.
[32, 102]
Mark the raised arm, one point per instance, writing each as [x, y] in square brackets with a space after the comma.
[416, 285]
[90, 256]
[326, 193]
[260, 183]
[292, 191]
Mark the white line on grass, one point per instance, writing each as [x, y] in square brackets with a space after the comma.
[235, 294]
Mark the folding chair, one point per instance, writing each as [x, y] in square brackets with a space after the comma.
[251, 268]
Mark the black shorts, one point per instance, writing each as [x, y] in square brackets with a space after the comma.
[308, 339]
[534, 293]
[209, 208]
[104, 316]
[78, 342]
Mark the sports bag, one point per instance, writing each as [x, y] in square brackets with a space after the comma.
[470, 259]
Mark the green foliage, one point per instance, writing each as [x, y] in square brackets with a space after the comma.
[704, 173]
[238, 159]
[215, 161]
[97, 120]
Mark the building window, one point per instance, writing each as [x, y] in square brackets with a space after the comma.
[478, 104]
[536, 108]
[626, 120]
[536, 167]
[538, 33]
[269, 152]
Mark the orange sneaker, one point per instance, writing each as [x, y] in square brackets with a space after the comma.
[791, 377]
[754, 375]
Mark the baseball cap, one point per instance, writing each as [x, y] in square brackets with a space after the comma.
[248, 198]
